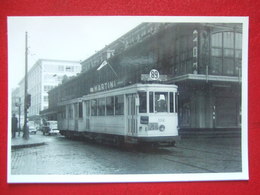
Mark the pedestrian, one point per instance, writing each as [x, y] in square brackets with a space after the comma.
[14, 125]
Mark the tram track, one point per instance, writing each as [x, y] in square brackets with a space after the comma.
[190, 165]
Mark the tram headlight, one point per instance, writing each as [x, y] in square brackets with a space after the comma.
[162, 128]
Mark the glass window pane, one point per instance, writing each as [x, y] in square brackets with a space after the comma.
[171, 102]
[238, 53]
[101, 106]
[143, 102]
[110, 104]
[80, 110]
[238, 41]
[119, 105]
[228, 39]
[93, 107]
[87, 108]
[161, 102]
[238, 66]
[216, 40]
[216, 65]
[70, 112]
[216, 52]
[228, 53]
[176, 102]
[151, 101]
[228, 66]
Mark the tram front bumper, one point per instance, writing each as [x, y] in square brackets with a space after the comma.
[158, 139]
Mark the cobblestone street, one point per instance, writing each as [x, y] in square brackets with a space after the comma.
[62, 156]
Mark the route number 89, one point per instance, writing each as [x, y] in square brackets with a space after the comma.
[154, 74]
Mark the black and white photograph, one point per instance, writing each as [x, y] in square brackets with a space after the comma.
[101, 99]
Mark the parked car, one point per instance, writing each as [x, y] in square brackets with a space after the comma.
[32, 127]
[50, 127]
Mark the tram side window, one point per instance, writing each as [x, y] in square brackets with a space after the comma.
[101, 106]
[171, 102]
[176, 102]
[110, 104]
[119, 105]
[151, 102]
[143, 102]
[161, 102]
[70, 112]
[87, 108]
[76, 112]
[80, 110]
[63, 113]
[93, 107]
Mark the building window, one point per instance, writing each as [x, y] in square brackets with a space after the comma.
[60, 68]
[45, 98]
[48, 88]
[226, 53]
[69, 69]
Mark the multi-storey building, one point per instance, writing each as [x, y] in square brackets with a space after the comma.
[42, 77]
[204, 60]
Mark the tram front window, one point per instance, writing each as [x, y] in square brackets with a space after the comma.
[161, 102]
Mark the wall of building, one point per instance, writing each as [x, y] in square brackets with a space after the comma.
[177, 50]
[42, 77]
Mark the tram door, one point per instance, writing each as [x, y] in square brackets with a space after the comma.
[131, 115]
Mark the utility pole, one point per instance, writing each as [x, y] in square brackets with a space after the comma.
[25, 128]
[18, 104]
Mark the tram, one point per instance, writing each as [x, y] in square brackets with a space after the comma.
[139, 113]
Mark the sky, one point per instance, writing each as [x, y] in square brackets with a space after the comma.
[60, 38]
[73, 37]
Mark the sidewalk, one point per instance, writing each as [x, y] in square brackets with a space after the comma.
[20, 142]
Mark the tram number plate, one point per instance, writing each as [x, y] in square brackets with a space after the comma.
[154, 74]
[153, 126]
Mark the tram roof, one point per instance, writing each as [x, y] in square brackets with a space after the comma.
[125, 90]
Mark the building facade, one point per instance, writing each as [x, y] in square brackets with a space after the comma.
[42, 77]
[203, 60]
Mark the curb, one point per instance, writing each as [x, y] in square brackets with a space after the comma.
[27, 145]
